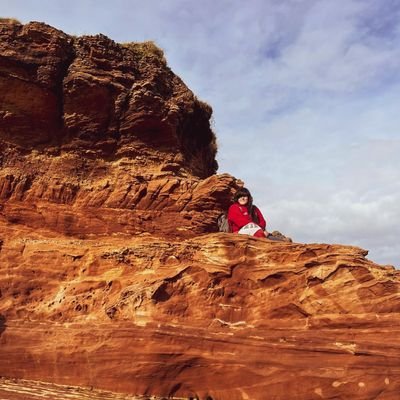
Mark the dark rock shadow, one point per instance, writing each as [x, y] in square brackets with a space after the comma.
[3, 325]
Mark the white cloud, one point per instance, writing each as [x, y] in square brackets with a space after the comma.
[330, 218]
[333, 52]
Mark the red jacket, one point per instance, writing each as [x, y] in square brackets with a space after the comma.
[238, 216]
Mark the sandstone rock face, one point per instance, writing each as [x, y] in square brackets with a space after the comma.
[87, 124]
[96, 98]
[112, 282]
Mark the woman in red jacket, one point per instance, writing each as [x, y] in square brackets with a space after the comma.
[244, 217]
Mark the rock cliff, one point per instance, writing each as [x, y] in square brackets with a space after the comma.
[113, 281]
[87, 124]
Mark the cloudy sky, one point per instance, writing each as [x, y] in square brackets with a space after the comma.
[305, 93]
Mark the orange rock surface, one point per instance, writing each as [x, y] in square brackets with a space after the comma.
[113, 281]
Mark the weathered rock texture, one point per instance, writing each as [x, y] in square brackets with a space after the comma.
[112, 284]
[87, 124]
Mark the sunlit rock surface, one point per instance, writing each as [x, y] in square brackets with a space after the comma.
[113, 282]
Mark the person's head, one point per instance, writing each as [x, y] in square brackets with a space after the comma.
[243, 197]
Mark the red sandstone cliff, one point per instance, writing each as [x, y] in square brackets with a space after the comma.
[112, 284]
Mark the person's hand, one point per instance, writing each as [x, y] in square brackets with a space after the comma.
[266, 233]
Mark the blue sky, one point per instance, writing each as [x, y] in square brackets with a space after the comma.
[305, 95]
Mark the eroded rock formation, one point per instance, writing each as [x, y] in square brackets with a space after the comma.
[112, 282]
[87, 124]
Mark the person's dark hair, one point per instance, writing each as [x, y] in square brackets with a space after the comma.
[250, 207]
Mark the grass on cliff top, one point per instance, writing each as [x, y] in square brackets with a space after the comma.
[9, 21]
[146, 49]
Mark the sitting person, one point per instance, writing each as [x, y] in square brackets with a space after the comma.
[244, 217]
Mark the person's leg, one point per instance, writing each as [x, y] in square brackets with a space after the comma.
[259, 233]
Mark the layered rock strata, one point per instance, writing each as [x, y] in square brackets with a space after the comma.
[217, 316]
[87, 124]
[99, 99]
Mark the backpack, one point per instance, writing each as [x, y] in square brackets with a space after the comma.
[223, 224]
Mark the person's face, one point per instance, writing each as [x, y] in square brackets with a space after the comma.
[243, 200]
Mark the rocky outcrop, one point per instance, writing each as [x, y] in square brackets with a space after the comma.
[87, 124]
[97, 98]
[113, 282]
[217, 316]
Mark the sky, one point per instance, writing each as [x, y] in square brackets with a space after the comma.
[305, 94]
